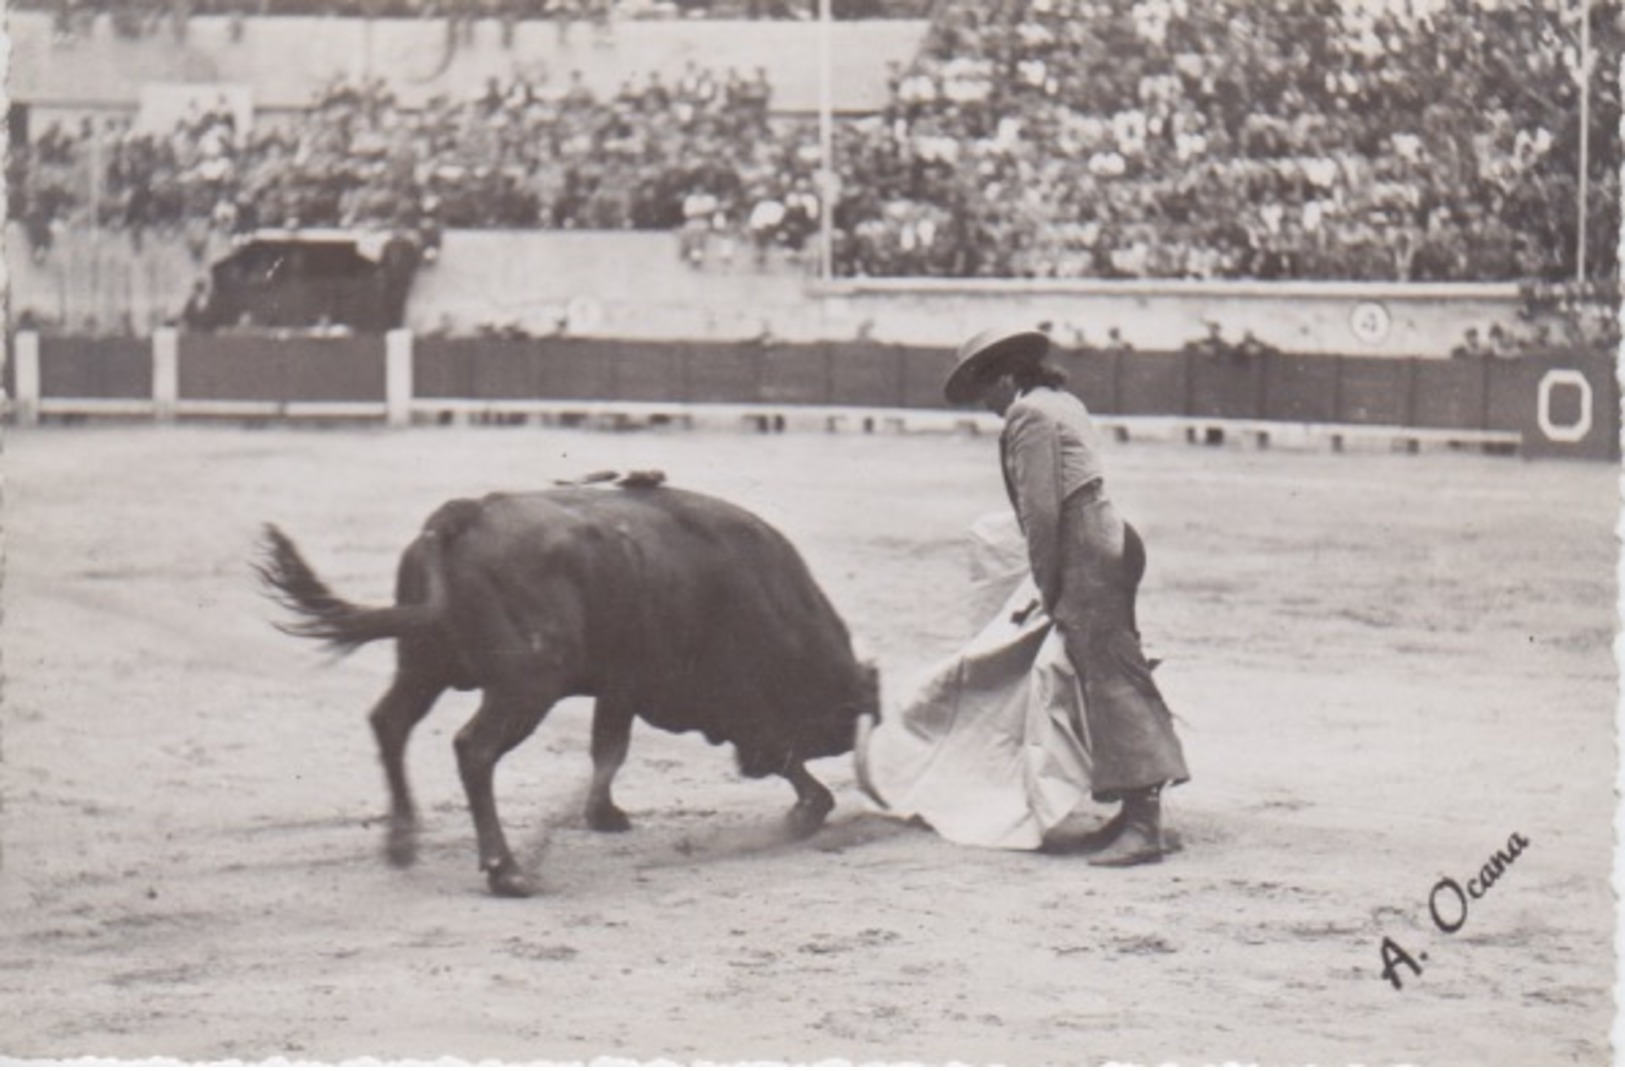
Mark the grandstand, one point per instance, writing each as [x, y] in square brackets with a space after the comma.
[1165, 140]
[1082, 154]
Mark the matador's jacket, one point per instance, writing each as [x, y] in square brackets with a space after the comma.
[1087, 563]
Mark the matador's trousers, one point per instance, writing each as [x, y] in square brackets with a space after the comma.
[1131, 732]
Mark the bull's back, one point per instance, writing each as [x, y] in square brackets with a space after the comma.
[699, 609]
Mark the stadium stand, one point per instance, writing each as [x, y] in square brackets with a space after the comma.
[1233, 140]
[1303, 140]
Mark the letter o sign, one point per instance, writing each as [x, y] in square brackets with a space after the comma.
[1370, 321]
[1554, 380]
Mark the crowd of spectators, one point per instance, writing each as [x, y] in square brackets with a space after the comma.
[1224, 138]
[519, 155]
[1303, 139]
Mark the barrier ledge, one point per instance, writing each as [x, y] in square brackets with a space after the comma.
[549, 409]
[771, 418]
[886, 418]
[261, 409]
[766, 416]
[104, 407]
[1213, 431]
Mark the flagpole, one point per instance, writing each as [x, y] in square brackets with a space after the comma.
[826, 187]
[1585, 139]
[98, 302]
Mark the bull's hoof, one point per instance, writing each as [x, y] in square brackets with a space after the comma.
[608, 819]
[803, 820]
[401, 846]
[506, 881]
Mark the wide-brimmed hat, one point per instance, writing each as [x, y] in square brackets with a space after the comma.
[991, 352]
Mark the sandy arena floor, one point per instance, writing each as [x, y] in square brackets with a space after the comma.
[1385, 665]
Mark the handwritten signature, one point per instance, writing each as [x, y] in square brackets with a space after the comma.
[1448, 903]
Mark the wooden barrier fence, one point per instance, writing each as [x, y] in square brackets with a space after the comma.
[1564, 404]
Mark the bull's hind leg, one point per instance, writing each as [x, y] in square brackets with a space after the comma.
[611, 736]
[503, 720]
[813, 801]
[408, 699]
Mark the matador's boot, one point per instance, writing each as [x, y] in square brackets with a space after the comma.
[1140, 840]
[1101, 836]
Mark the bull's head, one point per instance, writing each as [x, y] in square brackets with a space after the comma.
[833, 731]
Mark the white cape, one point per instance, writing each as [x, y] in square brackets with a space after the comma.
[989, 748]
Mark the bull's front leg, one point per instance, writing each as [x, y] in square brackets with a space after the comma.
[611, 736]
[813, 801]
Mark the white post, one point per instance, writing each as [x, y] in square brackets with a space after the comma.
[25, 351]
[398, 378]
[166, 375]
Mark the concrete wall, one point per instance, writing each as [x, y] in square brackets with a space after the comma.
[634, 285]
[1358, 319]
[103, 277]
[285, 61]
[624, 284]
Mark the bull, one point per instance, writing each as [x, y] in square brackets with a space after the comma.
[660, 603]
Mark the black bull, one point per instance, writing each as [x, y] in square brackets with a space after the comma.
[661, 603]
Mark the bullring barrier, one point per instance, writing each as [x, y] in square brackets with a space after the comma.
[1557, 404]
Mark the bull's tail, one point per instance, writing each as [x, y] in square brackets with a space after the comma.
[342, 625]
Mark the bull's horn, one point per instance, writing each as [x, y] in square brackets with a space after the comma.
[861, 736]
